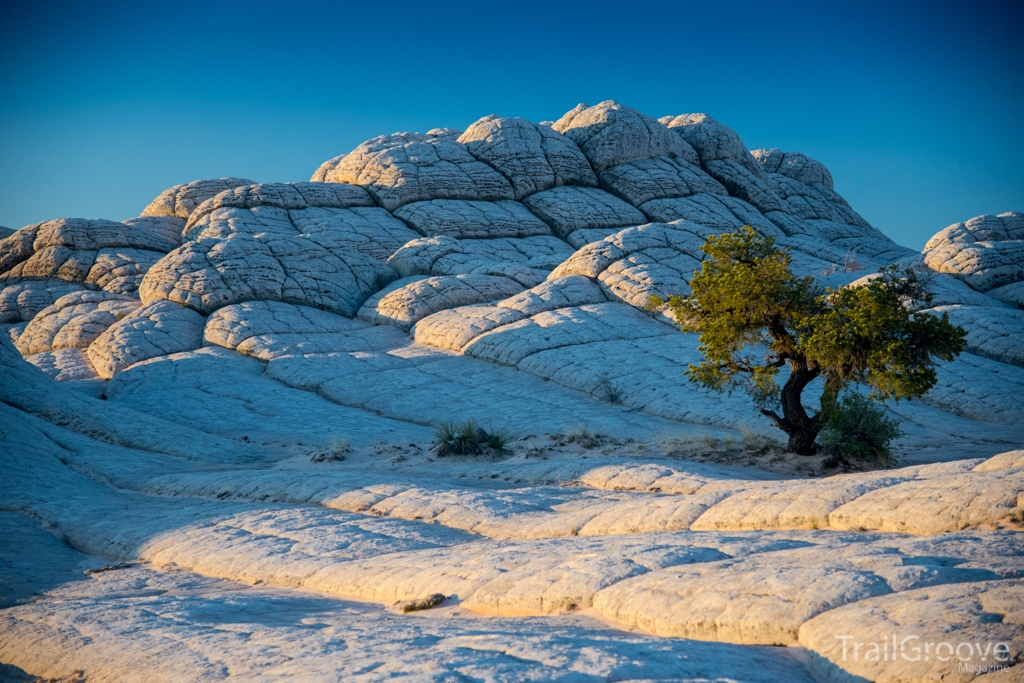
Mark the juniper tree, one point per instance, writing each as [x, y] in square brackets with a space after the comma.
[755, 317]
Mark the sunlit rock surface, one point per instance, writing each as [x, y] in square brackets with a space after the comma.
[248, 378]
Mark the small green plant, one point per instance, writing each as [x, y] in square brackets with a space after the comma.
[499, 439]
[424, 603]
[582, 437]
[454, 438]
[467, 438]
[858, 429]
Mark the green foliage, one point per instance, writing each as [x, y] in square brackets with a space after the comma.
[867, 334]
[467, 438]
[858, 429]
[499, 439]
[754, 317]
[744, 298]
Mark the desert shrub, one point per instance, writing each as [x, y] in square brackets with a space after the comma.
[467, 438]
[582, 437]
[607, 390]
[858, 429]
[499, 439]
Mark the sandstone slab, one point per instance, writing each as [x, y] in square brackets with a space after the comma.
[533, 157]
[156, 329]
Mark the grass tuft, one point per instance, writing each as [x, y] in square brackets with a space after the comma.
[582, 437]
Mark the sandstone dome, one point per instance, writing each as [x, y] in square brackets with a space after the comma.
[206, 351]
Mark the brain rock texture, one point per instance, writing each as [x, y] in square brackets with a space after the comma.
[246, 375]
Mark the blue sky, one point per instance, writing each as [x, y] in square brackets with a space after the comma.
[917, 108]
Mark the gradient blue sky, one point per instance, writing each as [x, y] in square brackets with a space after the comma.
[917, 108]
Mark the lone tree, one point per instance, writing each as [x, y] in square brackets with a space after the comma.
[754, 317]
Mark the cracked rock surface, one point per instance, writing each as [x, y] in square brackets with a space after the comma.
[179, 201]
[225, 409]
[985, 252]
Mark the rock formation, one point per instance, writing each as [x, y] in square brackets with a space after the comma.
[205, 351]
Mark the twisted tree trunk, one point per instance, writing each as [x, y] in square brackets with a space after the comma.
[802, 428]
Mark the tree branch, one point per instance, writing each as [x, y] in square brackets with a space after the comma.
[774, 417]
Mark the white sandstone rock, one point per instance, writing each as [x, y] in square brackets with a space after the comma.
[404, 306]
[795, 165]
[742, 183]
[120, 271]
[407, 167]
[270, 329]
[464, 219]
[64, 365]
[812, 201]
[95, 253]
[289, 196]
[934, 505]
[721, 214]
[210, 273]
[524, 260]
[418, 256]
[531, 156]
[610, 134]
[1010, 460]
[510, 344]
[157, 329]
[453, 329]
[766, 598]
[581, 238]
[636, 263]
[52, 263]
[74, 321]
[1012, 294]
[17, 247]
[232, 326]
[996, 333]
[915, 635]
[368, 230]
[180, 200]
[642, 180]
[22, 301]
[164, 232]
[713, 141]
[986, 252]
[90, 235]
[556, 292]
[567, 209]
[980, 389]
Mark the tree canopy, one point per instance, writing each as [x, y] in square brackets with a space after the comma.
[755, 317]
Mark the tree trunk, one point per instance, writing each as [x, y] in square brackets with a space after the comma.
[801, 427]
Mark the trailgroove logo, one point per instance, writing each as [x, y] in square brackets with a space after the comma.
[973, 657]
